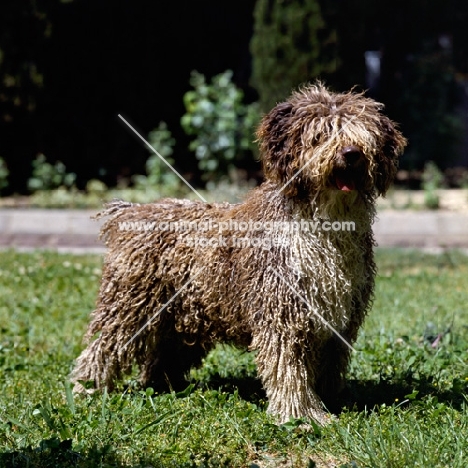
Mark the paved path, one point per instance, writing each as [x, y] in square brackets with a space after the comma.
[75, 231]
[61, 230]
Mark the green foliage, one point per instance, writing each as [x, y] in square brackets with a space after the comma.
[433, 180]
[157, 171]
[223, 126]
[46, 176]
[96, 187]
[225, 362]
[288, 47]
[430, 434]
[3, 175]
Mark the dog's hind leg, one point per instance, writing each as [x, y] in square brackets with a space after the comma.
[117, 333]
[99, 363]
[167, 360]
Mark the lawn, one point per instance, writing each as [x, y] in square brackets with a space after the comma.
[404, 406]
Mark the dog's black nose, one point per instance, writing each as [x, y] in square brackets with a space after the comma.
[351, 154]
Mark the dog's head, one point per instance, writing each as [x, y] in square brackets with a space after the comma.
[319, 140]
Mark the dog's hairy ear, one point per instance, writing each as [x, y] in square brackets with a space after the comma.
[387, 159]
[277, 146]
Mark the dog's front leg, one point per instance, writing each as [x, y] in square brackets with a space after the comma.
[287, 371]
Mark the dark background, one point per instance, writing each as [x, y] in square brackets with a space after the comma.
[67, 69]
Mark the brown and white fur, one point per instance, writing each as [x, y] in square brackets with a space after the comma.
[294, 297]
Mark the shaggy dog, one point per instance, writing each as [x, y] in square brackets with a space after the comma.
[275, 274]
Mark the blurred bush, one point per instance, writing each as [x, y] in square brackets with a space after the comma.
[46, 176]
[158, 174]
[433, 179]
[222, 125]
[3, 174]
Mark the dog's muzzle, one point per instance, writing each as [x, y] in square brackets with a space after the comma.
[349, 172]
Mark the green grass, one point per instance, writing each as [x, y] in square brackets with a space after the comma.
[404, 405]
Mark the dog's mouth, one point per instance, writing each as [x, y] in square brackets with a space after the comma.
[344, 181]
[348, 173]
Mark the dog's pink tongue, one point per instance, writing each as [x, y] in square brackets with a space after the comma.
[345, 185]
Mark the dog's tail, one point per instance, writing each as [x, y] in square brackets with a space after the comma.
[112, 211]
[112, 208]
